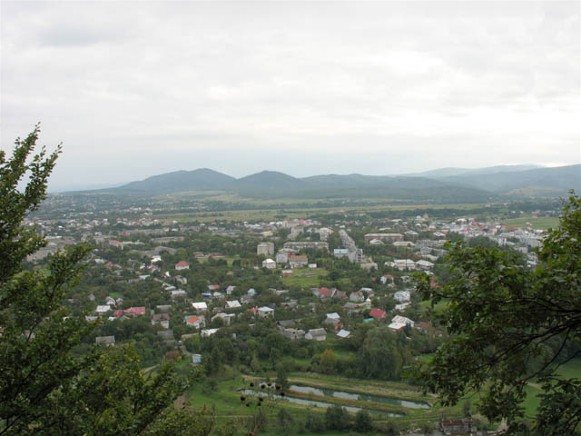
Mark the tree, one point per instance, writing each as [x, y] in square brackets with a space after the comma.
[381, 355]
[285, 421]
[511, 325]
[363, 423]
[41, 370]
[336, 418]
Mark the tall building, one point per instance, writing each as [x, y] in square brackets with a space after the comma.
[265, 249]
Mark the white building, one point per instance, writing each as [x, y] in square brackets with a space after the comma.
[269, 264]
[398, 322]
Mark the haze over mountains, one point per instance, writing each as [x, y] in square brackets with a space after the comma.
[443, 185]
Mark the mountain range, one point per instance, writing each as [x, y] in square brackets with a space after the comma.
[443, 185]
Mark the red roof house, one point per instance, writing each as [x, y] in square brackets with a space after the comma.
[378, 314]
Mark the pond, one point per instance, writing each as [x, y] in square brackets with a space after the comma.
[313, 403]
[309, 390]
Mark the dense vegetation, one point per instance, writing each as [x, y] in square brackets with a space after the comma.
[511, 325]
[47, 387]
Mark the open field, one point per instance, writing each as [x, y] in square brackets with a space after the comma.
[225, 395]
[540, 223]
[305, 277]
[571, 369]
[241, 209]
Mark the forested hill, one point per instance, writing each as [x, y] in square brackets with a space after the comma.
[447, 185]
[538, 181]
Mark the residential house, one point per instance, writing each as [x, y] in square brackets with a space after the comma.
[178, 293]
[298, 261]
[285, 323]
[378, 314]
[231, 305]
[206, 333]
[402, 306]
[318, 335]
[265, 312]
[161, 319]
[357, 297]
[183, 265]
[403, 264]
[387, 279]
[269, 264]
[200, 306]
[293, 334]
[102, 309]
[107, 341]
[282, 256]
[333, 319]
[132, 311]
[399, 322]
[323, 292]
[343, 334]
[213, 288]
[456, 426]
[402, 296]
[424, 265]
[225, 317]
[196, 321]
[351, 308]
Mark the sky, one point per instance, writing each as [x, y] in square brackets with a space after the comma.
[137, 88]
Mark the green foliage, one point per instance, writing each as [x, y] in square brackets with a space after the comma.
[184, 421]
[16, 242]
[114, 396]
[285, 421]
[510, 325]
[47, 386]
[363, 423]
[383, 354]
[336, 418]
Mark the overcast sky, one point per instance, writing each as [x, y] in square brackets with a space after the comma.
[137, 88]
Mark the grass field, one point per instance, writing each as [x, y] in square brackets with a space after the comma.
[571, 369]
[224, 396]
[541, 223]
[305, 277]
[253, 210]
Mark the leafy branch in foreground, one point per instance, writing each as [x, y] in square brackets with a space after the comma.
[511, 325]
[45, 387]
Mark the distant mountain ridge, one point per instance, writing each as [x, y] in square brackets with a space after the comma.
[444, 185]
[451, 171]
[180, 181]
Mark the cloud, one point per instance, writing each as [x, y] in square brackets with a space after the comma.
[125, 82]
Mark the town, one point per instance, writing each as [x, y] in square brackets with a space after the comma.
[326, 296]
